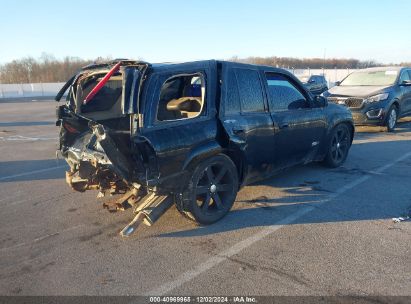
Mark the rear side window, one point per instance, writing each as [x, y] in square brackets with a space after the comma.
[283, 94]
[181, 97]
[232, 101]
[250, 90]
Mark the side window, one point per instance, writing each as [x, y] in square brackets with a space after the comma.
[181, 97]
[405, 75]
[250, 90]
[232, 97]
[283, 94]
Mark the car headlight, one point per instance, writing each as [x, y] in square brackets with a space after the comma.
[375, 98]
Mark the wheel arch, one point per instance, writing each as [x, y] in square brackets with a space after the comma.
[200, 153]
[325, 143]
[211, 149]
[348, 123]
[396, 103]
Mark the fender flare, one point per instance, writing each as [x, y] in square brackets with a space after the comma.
[199, 153]
[332, 124]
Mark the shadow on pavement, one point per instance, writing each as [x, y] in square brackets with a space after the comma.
[365, 132]
[266, 211]
[30, 170]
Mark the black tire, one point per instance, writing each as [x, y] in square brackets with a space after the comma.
[392, 117]
[338, 146]
[211, 191]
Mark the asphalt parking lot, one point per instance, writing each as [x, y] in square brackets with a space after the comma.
[308, 231]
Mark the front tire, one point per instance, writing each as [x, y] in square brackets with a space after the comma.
[338, 146]
[392, 118]
[211, 191]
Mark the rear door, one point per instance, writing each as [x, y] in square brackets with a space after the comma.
[179, 119]
[299, 127]
[246, 119]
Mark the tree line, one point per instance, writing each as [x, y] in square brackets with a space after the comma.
[313, 63]
[44, 69]
[49, 69]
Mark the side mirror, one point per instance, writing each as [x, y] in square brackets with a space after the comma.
[320, 101]
[337, 83]
[312, 81]
[405, 83]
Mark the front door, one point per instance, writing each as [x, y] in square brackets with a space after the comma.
[299, 126]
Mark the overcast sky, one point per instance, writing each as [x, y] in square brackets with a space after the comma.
[176, 30]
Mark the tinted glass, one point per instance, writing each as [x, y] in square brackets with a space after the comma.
[283, 94]
[250, 90]
[232, 101]
[106, 98]
[405, 75]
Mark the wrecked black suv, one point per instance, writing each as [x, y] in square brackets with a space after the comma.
[191, 133]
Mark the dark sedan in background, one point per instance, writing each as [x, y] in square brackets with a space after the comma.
[316, 84]
[376, 96]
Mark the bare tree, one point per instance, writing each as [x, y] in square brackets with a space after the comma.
[45, 69]
[313, 63]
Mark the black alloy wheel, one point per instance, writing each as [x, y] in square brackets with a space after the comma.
[212, 190]
[339, 146]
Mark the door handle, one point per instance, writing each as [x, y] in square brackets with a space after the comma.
[283, 126]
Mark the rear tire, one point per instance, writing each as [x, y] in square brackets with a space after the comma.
[392, 117]
[211, 191]
[338, 146]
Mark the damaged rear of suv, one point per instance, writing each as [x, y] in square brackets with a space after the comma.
[190, 133]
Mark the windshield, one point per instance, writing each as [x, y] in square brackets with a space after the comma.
[304, 78]
[370, 78]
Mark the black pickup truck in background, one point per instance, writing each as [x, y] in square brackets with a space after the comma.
[316, 84]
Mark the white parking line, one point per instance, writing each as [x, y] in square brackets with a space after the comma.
[31, 172]
[25, 138]
[236, 248]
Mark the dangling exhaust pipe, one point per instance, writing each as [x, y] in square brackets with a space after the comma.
[151, 208]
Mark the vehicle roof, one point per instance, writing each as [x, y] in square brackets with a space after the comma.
[172, 65]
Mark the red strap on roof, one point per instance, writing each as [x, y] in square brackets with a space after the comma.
[101, 84]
